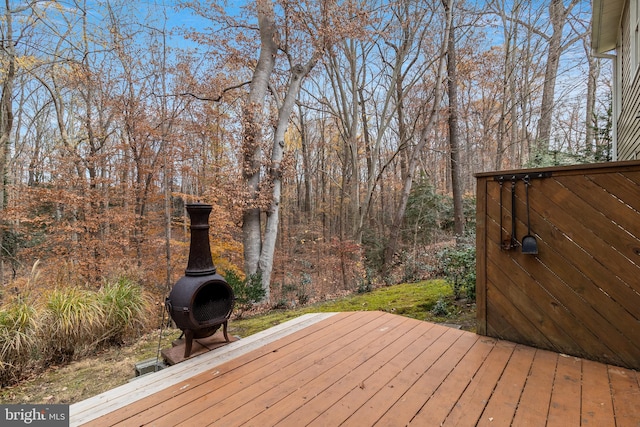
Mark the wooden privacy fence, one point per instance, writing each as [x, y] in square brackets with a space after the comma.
[580, 294]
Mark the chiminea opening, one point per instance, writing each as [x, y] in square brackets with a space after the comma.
[201, 301]
[211, 302]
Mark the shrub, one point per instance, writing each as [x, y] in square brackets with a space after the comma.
[18, 343]
[68, 322]
[284, 294]
[373, 248]
[414, 270]
[246, 292]
[365, 284]
[304, 291]
[426, 212]
[440, 308]
[459, 266]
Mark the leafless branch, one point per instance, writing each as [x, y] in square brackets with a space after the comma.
[216, 99]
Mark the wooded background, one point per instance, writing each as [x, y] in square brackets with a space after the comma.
[323, 132]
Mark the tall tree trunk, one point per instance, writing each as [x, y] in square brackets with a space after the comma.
[454, 144]
[259, 252]
[306, 167]
[6, 115]
[590, 119]
[345, 86]
[275, 172]
[252, 134]
[558, 16]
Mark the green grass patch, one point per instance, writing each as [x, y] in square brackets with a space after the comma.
[415, 300]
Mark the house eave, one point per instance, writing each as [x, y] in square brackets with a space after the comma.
[605, 24]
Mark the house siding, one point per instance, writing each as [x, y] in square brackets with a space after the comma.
[628, 122]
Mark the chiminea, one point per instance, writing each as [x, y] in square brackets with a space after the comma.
[201, 300]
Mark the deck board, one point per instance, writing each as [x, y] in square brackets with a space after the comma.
[504, 400]
[597, 405]
[626, 396]
[533, 408]
[315, 363]
[359, 392]
[334, 385]
[564, 409]
[427, 382]
[473, 400]
[373, 368]
[114, 403]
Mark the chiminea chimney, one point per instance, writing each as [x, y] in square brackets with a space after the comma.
[200, 262]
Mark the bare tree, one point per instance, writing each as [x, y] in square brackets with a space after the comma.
[430, 114]
[454, 144]
[6, 113]
[558, 14]
[10, 37]
[590, 118]
[321, 26]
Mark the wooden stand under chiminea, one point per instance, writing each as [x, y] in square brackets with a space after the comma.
[201, 301]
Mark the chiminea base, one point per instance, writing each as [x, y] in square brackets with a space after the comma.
[190, 335]
[174, 354]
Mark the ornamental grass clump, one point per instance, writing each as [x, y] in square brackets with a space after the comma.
[66, 323]
[72, 322]
[124, 307]
[18, 342]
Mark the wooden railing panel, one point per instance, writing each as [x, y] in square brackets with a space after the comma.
[543, 305]
[581, 294]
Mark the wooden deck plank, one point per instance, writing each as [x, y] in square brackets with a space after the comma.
[307, 403]
[564, 409]
[165, 398]
[353, 370]
[427, 385]
[471, 404]
[106, 403]
[626, 396]
[365, 368]
[333, 359]
[277, 355]
[437, 357]
[534, 404]
[597, 404]
[503, 402]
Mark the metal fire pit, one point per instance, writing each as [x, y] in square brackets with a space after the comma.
[201, 301]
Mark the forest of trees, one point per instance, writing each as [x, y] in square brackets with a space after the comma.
[336, 139]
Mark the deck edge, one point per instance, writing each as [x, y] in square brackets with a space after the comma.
[101, 404]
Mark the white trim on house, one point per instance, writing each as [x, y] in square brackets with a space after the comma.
[606, 21]
[607, 41]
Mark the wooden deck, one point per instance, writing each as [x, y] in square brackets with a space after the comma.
[372, 368]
